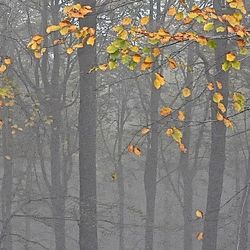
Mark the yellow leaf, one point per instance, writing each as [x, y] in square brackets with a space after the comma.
[156, 52]
[172, 11]
[3, 68]
[64, 31]
[220, 29]
[208, 27]
[91, 40]
[210, 86]
[144, 20]
[179, 16]
[7, 61]
[230, 56]
[103, 67]
[166, 111]
[169, 132]
[126, 21]
[177, 135]
[70, 51]
[199, 214]
[159, 80]
[186, 92]
[228, 123]
[53, 28]
[136, 58]
[219, 85]
[218, 97]
[145, 131]
[222, 107]
[219, 116]
[181, 116]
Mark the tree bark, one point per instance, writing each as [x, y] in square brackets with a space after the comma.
[217, 155]
[7, 182]
[87, 140]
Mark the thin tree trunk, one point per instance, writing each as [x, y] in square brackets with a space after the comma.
[217, 155]
[87, 140]
[7, 182]
[150, 173]
[120, 179]
[28, 187]
[184, 161]
[242, 241]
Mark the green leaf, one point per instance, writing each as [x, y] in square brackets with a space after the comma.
[226, 66]
[111, 49]
[236, 65]
[208, 27]
[212, 44]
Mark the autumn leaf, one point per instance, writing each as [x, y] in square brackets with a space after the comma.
[177, 135]
[210, 86]
[219, 116]
[145, 131]
[181, 116]
[230, 57]
[199, 214]
[169, 132]
[159, 80]
[172, 11]
[144, 20]
[91, 40]
[126, 21]
[7, 61]
[217, 97]
[186, 92]
[239, 101]
[228, 123]
[172, 63]
[53, 28]
[3, 68]
[156, 52]
[136, 58]
[222, 107]
[200, 236]
[208, 26]
[166, 111]
[182, 148]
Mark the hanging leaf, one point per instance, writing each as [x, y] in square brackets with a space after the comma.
[208, 27]
[144, 20]
[200, 236]
[159, 80]
[145, 131]
[199, 214]
[230, 57]
[218, 97]
[186, 92]
[166, 111]
[181, 116]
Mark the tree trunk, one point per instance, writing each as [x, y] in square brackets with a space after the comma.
[150, 173]
[120, 179]
[217, 155]
[184, 160]
[242, 242]
[87, 140]
[7, 182]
